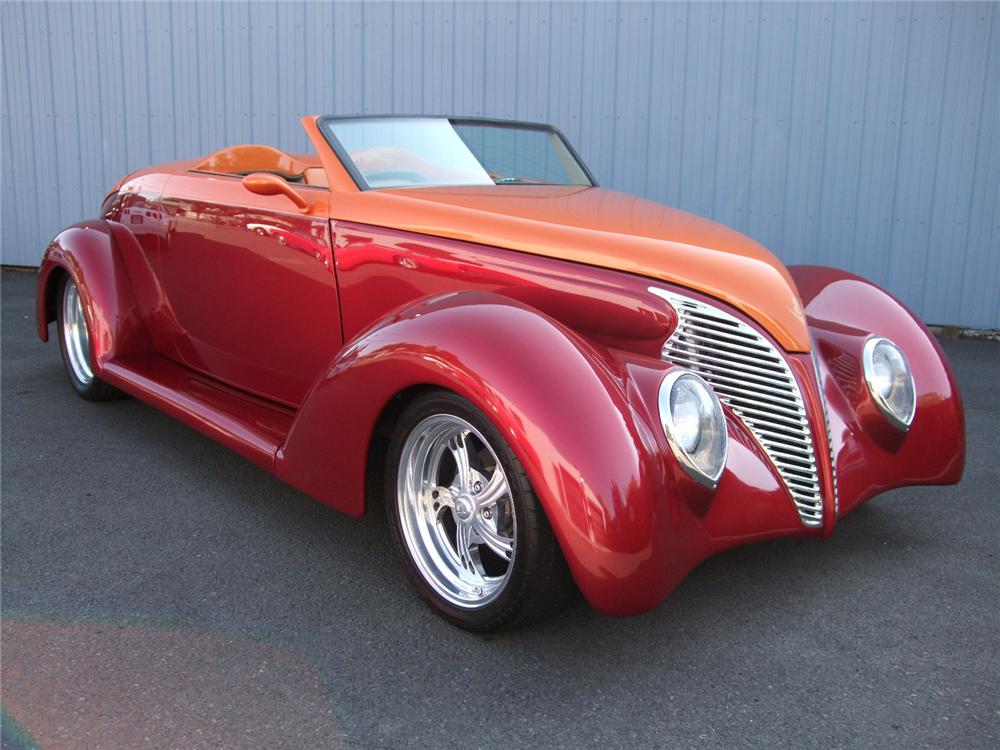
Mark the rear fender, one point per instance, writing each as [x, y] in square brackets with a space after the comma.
[842, 311]
[562, 404]
[87, 252]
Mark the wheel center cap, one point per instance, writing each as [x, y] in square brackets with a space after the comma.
[463, 508]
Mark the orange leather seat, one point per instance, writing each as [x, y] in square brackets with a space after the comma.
[248, 158]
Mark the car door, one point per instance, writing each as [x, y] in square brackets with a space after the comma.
[251, 282]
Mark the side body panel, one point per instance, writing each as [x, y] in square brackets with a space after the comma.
[107, 262]
[250, 280]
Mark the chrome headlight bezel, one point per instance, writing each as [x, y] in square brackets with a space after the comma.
[712, 426]
[900, 421]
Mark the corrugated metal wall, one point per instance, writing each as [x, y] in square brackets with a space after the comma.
[859, 135]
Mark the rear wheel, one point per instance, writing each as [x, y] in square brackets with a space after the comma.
[465, 519]
[74, 343]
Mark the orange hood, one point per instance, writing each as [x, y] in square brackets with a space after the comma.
[602, 228]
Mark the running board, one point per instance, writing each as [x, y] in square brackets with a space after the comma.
[251, 426]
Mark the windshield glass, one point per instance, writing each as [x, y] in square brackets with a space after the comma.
[407, 152]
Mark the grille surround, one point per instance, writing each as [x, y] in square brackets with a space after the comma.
[829, 431]
[754, 380]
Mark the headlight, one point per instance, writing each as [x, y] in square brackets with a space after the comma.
[694, 424]
[890, 381]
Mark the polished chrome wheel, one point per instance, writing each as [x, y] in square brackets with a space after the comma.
[75, 334]
[456, 512]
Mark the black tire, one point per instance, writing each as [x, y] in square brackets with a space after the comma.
[539, 582]
[92, 389]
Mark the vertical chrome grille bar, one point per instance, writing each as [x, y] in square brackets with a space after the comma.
[753, 379]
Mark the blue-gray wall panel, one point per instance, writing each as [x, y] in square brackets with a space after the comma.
[859, 135]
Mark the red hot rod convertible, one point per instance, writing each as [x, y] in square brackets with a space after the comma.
[546, 382]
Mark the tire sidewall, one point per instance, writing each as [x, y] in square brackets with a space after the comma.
[504, 607]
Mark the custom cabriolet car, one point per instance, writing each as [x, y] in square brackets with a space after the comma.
[547, 383]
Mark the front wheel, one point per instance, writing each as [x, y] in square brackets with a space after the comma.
[466, 522]
[74, 343]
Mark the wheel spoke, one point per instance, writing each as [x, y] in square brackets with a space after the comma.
[494, 491]
[501, 545]
[463, 545]
[460, 452]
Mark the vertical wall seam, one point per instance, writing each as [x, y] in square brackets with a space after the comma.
[937, 156]
[55, 111]
[148, 88]
[887, 255]
[649, 91]
[171, 41]
[856, 226]
[614, 94]
[788, 137]
[684, 89]
[717, 119]
[817, 239]
[250, 113]
[980, 114]
[76, 98]
[753, 118]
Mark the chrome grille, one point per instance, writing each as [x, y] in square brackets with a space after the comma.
[752, 378]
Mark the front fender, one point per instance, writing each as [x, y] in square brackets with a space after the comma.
[562, 404]
[87, 252]
[842, 311]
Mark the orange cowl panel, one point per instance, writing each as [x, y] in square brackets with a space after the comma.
[601, 228]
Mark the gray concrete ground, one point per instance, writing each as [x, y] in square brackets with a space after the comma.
[159, 591]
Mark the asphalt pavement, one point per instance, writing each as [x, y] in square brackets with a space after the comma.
[160, 591]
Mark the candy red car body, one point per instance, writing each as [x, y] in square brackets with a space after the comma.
[286, 309]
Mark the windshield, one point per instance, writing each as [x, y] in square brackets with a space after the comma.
[384, 152]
